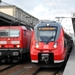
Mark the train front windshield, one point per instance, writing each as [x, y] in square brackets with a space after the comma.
[46, 34]
[9, 33]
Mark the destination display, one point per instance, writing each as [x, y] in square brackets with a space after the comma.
[47, 28]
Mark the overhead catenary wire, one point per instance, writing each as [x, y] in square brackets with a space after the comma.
[55, 7]
[20, 2]
[59, 8]
[61, 18]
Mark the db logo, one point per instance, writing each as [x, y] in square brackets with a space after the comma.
[46, 46]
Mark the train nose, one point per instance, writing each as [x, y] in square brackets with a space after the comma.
[45, 57]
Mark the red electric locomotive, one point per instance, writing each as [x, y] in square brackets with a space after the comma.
[14, 42]
[48, 44]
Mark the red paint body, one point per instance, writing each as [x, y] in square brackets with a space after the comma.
[59, 53]
[18, 41]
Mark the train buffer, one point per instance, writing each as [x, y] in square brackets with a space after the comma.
[70, 66]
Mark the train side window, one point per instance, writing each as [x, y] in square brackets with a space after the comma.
[24, 32]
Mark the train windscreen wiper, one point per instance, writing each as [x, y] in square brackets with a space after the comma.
[50, 39]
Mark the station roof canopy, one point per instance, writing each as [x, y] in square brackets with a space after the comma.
[16, 15]
[9, 20]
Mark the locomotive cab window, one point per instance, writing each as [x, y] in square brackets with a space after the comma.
[47, 34]
[3, 33]
[9, 33]
[14, 33]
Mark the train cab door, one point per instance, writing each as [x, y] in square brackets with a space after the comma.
[25, 40]
[28, 39]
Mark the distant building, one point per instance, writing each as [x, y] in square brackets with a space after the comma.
[68, 27]
[18, 13]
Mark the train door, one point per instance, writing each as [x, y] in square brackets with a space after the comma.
[25, 41]
[28, 37]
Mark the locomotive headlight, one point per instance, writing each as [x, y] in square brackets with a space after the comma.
[18, 46]
[37, 45]
[55, 45]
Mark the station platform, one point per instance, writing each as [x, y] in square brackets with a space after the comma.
[70, 66]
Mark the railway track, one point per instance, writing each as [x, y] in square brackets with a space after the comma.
[52, 71]
[48, 71]
[27, 68]
[5, 67]
[18, 69]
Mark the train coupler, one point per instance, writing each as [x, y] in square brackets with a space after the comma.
[46, 58]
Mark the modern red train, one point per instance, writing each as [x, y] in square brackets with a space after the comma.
[14, 42]
[49, 43]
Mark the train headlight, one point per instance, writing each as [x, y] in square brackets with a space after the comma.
[55, 45]
[18, 46]
[37, 45]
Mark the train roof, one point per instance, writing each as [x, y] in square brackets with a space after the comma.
[50, 23]
[11, 27]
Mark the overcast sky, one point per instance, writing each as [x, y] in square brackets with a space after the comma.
[46, 9]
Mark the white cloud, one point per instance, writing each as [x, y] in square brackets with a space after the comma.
[43, 12]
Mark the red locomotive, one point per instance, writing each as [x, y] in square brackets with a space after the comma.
[49, 43]
[14, 42]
